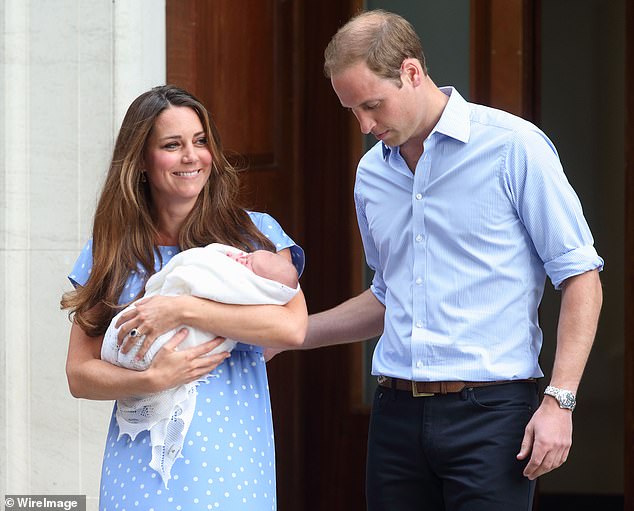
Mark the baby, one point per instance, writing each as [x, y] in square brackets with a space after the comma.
[179, 276]
[215, 272]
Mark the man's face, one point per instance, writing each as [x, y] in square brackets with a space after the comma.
[382, 108]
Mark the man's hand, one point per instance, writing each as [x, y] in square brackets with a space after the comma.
[547, 438]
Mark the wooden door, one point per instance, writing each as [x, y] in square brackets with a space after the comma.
[257, 66]
[505, 68]
[629, 257]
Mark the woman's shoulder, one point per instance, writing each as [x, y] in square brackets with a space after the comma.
[268, 226]
[262, 220]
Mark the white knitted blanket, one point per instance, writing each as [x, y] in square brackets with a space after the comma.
[206, 273]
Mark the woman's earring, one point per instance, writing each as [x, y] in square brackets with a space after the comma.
[143, 178]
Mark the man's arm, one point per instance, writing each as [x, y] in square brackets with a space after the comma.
[548, 435]
[357, 319]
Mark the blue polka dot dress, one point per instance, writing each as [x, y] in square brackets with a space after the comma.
[228, 459]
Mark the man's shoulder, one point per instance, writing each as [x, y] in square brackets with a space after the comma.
[505, 129]
[496, 119]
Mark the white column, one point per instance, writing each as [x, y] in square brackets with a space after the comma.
[14, 251]
[68, 71]
[139, 48]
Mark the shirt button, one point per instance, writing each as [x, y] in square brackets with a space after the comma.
[419, 364]
[419, 238]
[419, 281]
[419, 196]
[419, 324]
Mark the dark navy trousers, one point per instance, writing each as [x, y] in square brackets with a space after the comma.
[453, 452]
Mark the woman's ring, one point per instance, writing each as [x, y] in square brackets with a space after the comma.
[134, 333]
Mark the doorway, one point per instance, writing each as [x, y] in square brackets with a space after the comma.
[261, 74]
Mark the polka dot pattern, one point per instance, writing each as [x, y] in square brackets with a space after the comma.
[229, 458]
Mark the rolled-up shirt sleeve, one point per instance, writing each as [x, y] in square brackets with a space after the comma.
[572, 263]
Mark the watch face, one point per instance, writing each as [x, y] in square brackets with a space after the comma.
[566, 399]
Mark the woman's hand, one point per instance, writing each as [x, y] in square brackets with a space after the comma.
[171, 367]
[151, 317]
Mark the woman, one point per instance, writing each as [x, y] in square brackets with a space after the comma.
[169, 188]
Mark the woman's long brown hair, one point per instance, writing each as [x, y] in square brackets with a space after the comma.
[124, 233]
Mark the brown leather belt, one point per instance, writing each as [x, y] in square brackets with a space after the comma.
[431, 388]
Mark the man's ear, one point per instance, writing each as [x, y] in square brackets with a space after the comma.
[412, 71]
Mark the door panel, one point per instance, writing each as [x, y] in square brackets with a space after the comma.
[240, 70]
[505, 55]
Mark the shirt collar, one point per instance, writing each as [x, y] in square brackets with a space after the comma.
[454, 121]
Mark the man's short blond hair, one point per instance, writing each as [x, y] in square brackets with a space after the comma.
[381, 39]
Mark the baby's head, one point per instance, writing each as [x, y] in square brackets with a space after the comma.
[269, 265]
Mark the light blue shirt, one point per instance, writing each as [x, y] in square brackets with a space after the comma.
[461, 248]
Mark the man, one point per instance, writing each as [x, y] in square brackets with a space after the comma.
[463, 210]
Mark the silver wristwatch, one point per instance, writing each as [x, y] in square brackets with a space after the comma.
[565, 398]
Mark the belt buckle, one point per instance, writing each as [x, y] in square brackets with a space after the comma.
[415, 392]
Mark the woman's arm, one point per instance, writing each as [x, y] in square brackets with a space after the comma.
[264, 325]
[271, 326]
[90, 377]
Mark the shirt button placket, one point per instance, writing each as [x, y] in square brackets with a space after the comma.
[418, 270]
